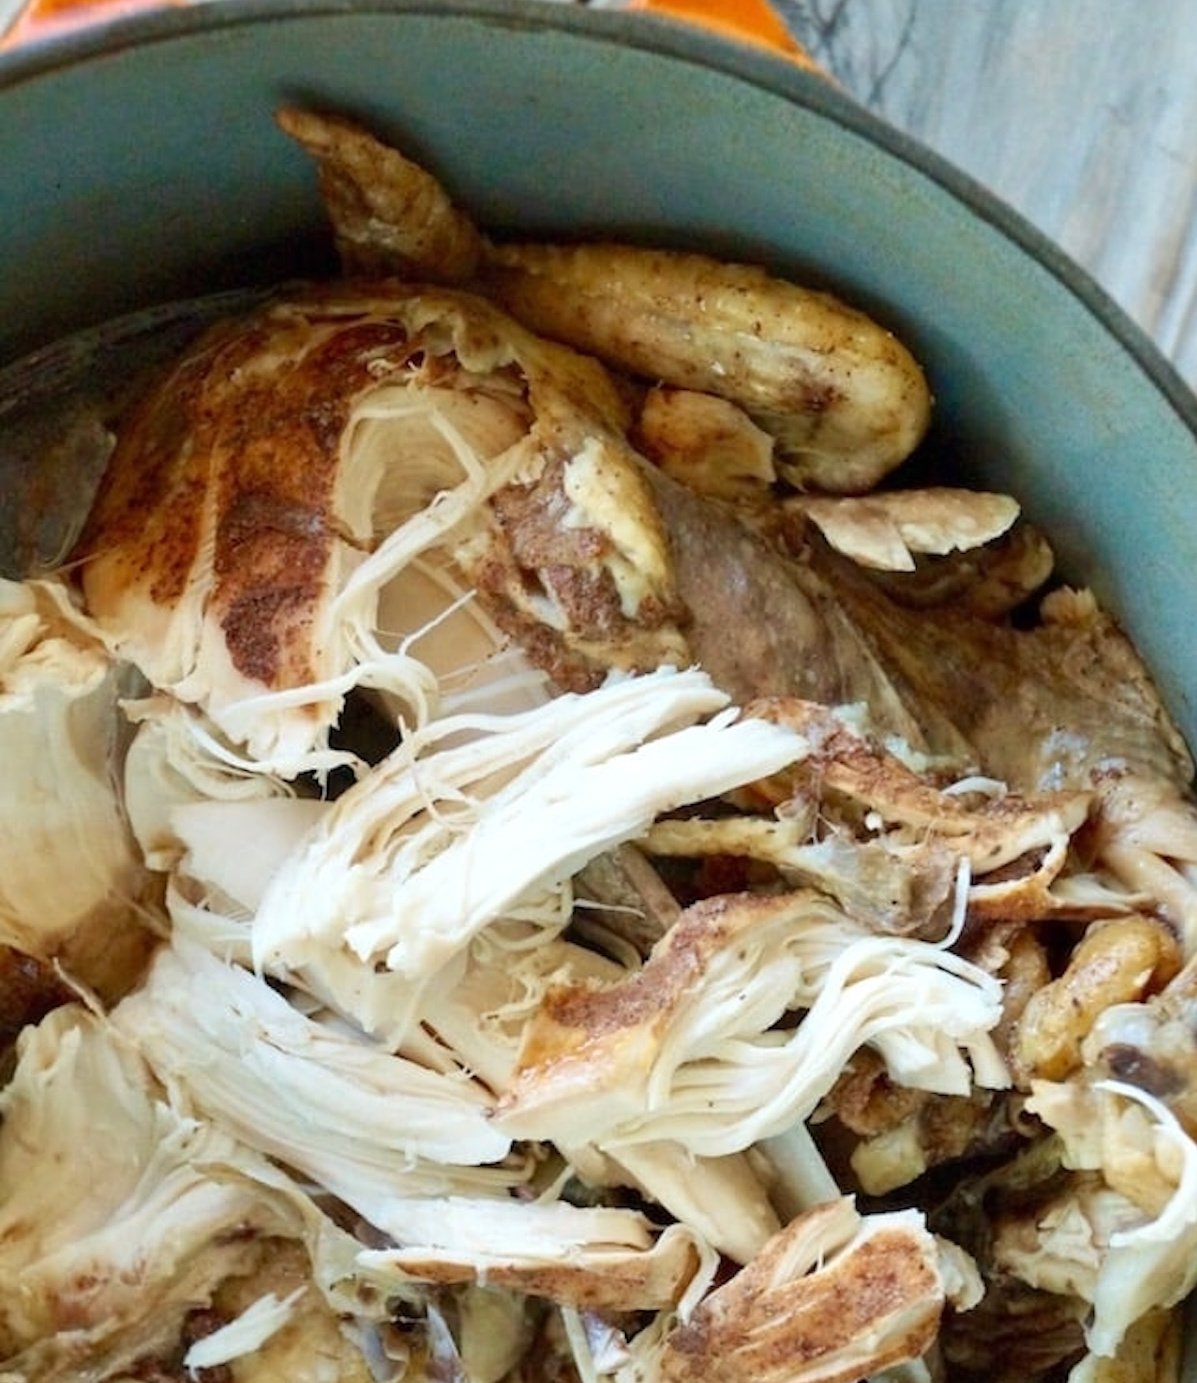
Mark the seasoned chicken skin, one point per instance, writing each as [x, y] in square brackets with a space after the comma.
[842, 397]
[297, 462]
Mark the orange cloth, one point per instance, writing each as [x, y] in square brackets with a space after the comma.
[45, 18]
[749, 21]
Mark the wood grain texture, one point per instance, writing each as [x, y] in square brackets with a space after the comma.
[1082, 116]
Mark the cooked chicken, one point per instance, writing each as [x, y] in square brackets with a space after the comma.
[1117, 962]
[834, 1297]
[620, 891]
[594, 1258]
[1042, 708]
[366, 1125]
[843, 398]
[1066, 704]
[687, 1047]
[306, 1343]
[708, 819]
[727, 1200]
[1153, 1045]
[111, 1228]
[904, 1132]
[885, 531]
[295, 464]
[906, 891]
[989, 581]
[438, 844]
[1015, 846]
[175, 765]
[1138, 1236]
[763, 625]
[73, 891]
[390, 215]
[708, 444]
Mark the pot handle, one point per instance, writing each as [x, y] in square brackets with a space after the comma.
[745, 21]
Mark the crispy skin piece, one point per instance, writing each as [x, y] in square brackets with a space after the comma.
[389, 216]
[864, 777]
[884, 531]
[903, 892]
[869, 1296]
[593, 1277]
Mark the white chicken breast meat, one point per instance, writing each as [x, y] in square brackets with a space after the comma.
[74, 891]
[112, 1228]
[296, 464]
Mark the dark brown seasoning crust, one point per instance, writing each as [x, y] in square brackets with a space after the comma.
[242, 442]
[567, 560]
[149, 510]
[589, 1012]
[277, 520]
[537, 551]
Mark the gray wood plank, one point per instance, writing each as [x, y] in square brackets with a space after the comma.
[1081, 115]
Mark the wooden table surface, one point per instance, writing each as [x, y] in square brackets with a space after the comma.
[1081, 114]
